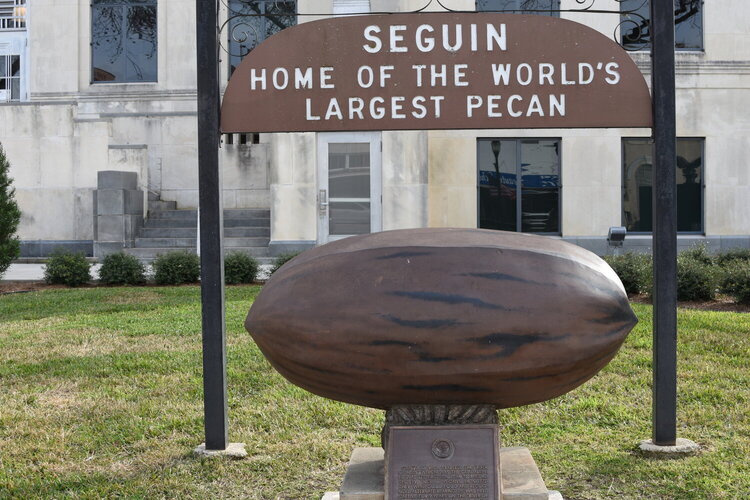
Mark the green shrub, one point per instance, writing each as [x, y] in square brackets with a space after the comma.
[698, 252]
[281, 260]
[633, 269]
[696, 280]
[738, 254]
[240, 268]
[10, 216]
[122, 269]
[176, 268]
[67, 268]
[736, 281]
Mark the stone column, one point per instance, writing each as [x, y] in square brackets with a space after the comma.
[118, 211]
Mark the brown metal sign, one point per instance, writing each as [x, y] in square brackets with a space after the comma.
[436, 71]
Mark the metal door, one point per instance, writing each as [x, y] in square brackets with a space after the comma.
[349, 184]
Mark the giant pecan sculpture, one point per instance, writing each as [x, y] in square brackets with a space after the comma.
[442, 316]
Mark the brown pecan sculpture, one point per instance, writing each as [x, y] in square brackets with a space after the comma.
[442, 316]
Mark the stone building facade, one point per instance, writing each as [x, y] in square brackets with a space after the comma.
[109, 85]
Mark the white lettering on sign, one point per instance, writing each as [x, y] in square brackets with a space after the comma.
[516, 107]
[510, 90]
[376, 108]
[614, 75]
[451, 38]
[280, 79]
[303, 80]
[549, 74]
[425, 44]
[397, 38]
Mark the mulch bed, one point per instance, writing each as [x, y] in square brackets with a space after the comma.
[722, 302]
[26, 286]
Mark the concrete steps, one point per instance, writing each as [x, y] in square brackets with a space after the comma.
[245, 230]
[190, 232]
[159, 205]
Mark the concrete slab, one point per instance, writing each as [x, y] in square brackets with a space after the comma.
[520, 479]
[34, 272]
[365, 475]
[116, 179]
[110, 202]
[233, 450]
[681, 447]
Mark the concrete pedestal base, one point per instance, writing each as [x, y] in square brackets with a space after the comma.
[364, 479]
[233, 450]
[681, 447]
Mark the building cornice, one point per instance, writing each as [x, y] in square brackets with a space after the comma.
[110, 95]
[694, 63]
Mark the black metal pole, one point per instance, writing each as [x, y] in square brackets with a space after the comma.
[664, 224]
[211, 229]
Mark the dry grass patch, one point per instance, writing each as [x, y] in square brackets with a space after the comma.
[133, 296]
[46, 341]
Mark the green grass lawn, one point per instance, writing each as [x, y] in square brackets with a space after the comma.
[102, 398]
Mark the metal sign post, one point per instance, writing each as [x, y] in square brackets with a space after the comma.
[665, 225]
[212, 228]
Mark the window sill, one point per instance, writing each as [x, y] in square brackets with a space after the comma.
[123, 85]
[679, 55]
[686, 234]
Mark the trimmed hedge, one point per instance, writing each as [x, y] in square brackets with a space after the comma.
[699, 274]
[696, 280]
[176, 268]
[736, 281]
[281, 260]
[735, 255]
[699, 253]
[122, 269]
[240, 268]
[67, 268]
[633, 269]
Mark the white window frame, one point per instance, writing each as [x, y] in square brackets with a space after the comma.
[12, 15]
[16, 44]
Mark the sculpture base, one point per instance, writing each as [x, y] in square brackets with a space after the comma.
[520, 477]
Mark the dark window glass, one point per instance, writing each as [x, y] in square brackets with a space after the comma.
[637, 182]
[10, 77]
[507, 166]
[123, 41]
[539, 7]
[15, 65]
[348, 218]
[688, 18]
[252, 21]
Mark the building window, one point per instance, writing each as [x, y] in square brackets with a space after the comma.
[10, 78]
[349, 7]
[688, 20]
[637, 181]
[12, 15]
[123, 41]
[519, 185]
[252, 21]
[538, 7]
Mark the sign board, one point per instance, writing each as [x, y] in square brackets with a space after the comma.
[436, 71]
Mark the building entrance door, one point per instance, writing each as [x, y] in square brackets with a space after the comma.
[349, 184]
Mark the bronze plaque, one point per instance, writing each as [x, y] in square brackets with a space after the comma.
[436, 71]
[442, 463]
